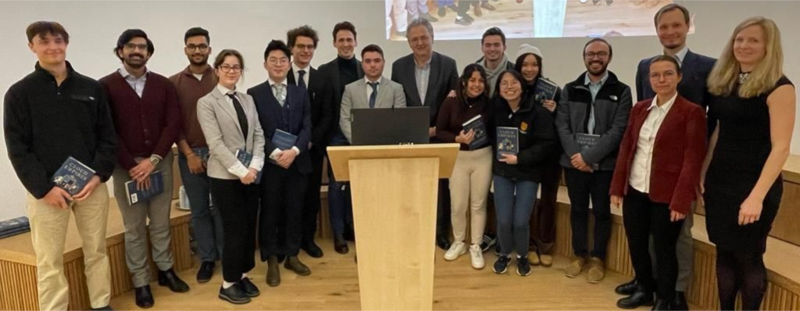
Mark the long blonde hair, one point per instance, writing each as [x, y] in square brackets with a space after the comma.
[724, 77]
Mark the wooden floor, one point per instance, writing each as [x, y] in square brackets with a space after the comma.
[333, 285]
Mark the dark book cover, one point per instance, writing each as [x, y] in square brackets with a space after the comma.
[283, 140]
[476, 125]
[15, 225]
[14, 232]
[507, 141]
[73, 176]
[545, 90]
[203, 153]
[137, 195]
[587, 141]
[246, 157]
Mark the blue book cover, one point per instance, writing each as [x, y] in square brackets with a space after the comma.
[284, 140]
[245, 157]
[545, 89]
[203, 153]
[507, 141]
[138, 195]
[6, 234]
[72, 176]
[476, 125]
[15, 225]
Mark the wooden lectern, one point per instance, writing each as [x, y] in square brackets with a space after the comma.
[394, 191]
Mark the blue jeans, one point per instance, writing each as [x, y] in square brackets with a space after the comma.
[513, 201]
[206, 220]
[340, 204]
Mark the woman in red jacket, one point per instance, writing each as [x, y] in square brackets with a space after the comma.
[657, 172]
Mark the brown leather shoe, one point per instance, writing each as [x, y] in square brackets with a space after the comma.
[273, 271]
[294, 264]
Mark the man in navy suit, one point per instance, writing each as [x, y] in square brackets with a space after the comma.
[282, 107]
[672, 25]
[303, 42]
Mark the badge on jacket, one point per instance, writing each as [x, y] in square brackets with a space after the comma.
[523, 126]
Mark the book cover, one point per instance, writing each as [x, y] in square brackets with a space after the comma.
[545, 90]
[476, 125]
[283, 140]
[137, 195]
[15, 225]
[72, 176]
[587, 141]
[507, 141]
[14, 232]
[245, 157]
[203, 153]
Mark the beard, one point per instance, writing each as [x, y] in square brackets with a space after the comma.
[135, 63]
[598, 71]
[198, 63]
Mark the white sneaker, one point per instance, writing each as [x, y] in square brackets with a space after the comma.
[476, 254]
[456, 250]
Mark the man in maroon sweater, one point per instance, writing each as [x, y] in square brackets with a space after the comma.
[144, 107]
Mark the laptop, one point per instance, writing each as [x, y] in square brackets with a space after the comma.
[390, 126]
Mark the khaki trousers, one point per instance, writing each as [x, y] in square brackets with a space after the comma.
[469, 189]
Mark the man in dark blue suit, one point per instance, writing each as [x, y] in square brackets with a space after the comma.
[284, 112]
[672, 25]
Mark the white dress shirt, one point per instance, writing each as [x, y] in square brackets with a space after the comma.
[136, 83]
[643, 157]
[422, 73]
[369, 88]
[257, 162]
[296, 73]
[681, 55]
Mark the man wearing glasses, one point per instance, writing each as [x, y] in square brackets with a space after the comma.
[285, 115]
[144, 107]
[591, 120]
[194, 82]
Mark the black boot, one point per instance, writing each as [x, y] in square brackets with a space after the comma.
[627, 289]
[170, 279]
[641, 297]
[144, 297]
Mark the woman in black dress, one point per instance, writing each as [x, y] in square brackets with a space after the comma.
[753, 109]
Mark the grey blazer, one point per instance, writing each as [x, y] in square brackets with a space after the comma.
[224, 134]
[390, 94]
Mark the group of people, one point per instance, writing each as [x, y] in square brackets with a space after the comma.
[703, 130]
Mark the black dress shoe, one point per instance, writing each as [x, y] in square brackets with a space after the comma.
[442, 242]
[205, 272]
[294, 264]
[627, 289]
[312, 249]
[144, 297]
[661, 305]
[233, 294]
[640, 297]
[248, 288]
[340, 246]
[273, 271]
[679, 302]
[170, 279]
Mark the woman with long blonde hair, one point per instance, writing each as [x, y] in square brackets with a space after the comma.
[753, 111]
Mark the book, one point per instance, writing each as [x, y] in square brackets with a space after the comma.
[73, 176]
[203, 153]
[507, 141]
[246, 157]
[283, 140]
[545, 90]
[476, 125]
[137, 195]
[14, 226]
[588, 141]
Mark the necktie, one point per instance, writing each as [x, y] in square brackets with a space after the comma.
[300, 81]
[239, 114]
[280, 93]
[374, 95]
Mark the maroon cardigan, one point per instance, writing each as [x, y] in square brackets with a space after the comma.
[678, 153]
[147, 125]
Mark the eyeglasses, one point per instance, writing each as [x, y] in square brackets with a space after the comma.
[133, 46]
[229, 68]
[591, 55]
[276, 61]
[201, 47]
[304, 46]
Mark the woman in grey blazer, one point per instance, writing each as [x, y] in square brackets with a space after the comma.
[236, 145]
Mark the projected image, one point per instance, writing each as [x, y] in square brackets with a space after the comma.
[467, 19]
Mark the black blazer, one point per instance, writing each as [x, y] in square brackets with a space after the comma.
[695, 69]
[443, 79]
[322, 114]
[329, 72]
[269, 112]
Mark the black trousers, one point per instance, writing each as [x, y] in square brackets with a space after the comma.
[581, 187]
[238, 206]
[642, 218]
[312, 200]
[543, 221]
[443, 210]
[282, 201]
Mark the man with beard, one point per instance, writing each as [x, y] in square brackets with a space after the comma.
[144, 107]
[192, 83]
[494, 60]
[672, 26]
[591, 120]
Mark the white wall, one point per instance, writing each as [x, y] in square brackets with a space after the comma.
[247, 26]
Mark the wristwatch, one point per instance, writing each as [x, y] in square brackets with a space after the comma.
[154, 159]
